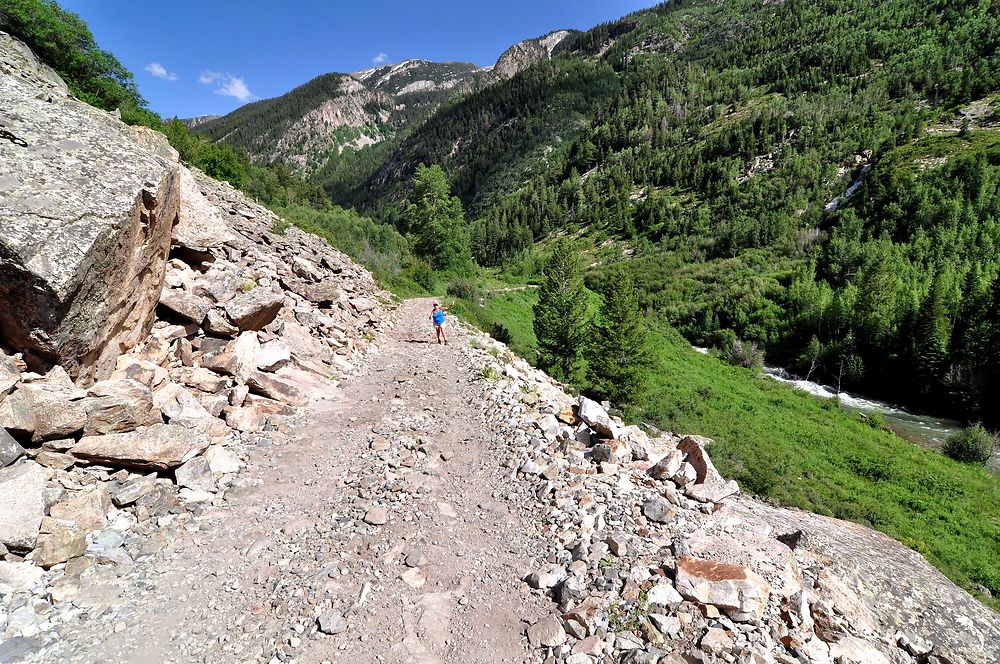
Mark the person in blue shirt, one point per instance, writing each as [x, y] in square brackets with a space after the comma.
[437, 315]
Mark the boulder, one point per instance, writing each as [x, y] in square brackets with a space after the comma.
[254, 310]
[245, 352]
[737, 590]
[199, 225]
[179, 406]
[159, 447]
[547, 633]
[222, 460]
[693, 448]
[187, 306]
[305, 349]
[22, 504]
[10, 450]
[87, 510]
[667, 467]
[196, 475]
[273, 355]
[597, 417]
[86, 219]
[204, 380]
[128, 492]
[118, 405]
[46, 411]
[15, 577]
[216, 323]
[63, 541]
[712, 493]
[274, 387]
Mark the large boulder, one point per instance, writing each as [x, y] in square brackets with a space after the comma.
[22, 505]
[200, 226]
[86, 214]
[739, 591]
[159, 447]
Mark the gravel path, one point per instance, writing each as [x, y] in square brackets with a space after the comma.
[381, 520]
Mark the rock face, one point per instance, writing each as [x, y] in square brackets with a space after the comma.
[86, 214]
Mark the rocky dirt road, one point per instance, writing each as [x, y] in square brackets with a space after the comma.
[377, 532]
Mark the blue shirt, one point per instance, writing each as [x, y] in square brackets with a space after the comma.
[439, 317]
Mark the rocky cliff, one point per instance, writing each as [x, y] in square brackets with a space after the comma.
[154, 320]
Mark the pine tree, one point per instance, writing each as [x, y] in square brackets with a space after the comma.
[560, 314]
[436, 220]
[618, 355]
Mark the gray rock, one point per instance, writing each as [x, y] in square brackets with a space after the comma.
[22, 504]
[84, 252]
[712, 493]
[332, 622]
[47, 411]
[658, 510]
[128, 492]
[10, 450]
[196, 474]
[18, 576]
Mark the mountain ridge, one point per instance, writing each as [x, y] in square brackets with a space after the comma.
[316, 121]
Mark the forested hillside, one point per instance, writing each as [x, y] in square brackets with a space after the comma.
[714, 143]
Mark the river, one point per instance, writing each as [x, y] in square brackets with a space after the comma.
[924, 430]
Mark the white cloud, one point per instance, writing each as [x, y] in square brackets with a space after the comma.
[380, 59]
[209, 77]
[159, 71]
[229, 85]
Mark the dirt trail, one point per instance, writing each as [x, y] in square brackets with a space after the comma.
[249, 578]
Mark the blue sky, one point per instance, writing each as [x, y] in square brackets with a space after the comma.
[209, 57]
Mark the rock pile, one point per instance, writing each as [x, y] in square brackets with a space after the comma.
[650, 556]
[168, 326]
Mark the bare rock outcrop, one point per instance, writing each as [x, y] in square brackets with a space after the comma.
[85, 214]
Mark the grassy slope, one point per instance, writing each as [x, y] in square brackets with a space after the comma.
[801, 451]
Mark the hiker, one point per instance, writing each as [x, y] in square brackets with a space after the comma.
[437, 315]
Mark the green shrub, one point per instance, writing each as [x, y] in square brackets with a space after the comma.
[464, 289]
[973, 445]
[746, 354]
[422, 274]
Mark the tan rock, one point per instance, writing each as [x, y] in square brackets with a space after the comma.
[88, 510]
[276, 388]
[245, 352]
[187, 306]
[118, 405]
[743, 594]
[65, 541]
[161, 446]
[695, 454]
[668, 466]
[254, 310]
[199, 225]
